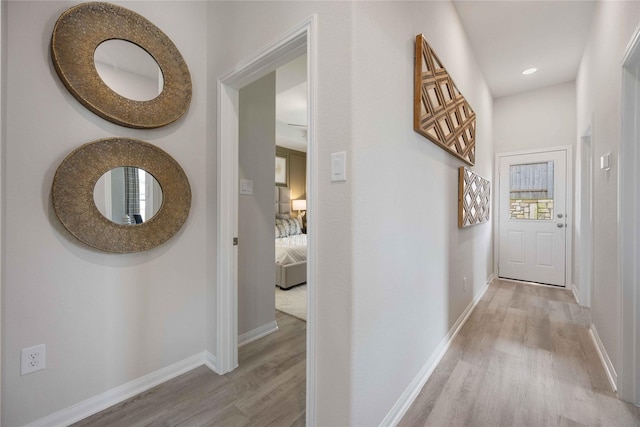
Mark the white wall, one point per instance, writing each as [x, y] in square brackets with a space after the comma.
[236, 31]
[408, 289]
[106, 319]
[409, 257]
[536, 119]
[598, 87]
[256, 212]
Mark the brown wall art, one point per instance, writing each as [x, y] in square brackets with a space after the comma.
[440, 112]
[474, 198]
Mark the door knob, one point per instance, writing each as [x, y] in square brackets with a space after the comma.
[560, 215]
[559, 225]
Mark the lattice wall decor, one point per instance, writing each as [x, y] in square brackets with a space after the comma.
[440, 112]
[474, 198]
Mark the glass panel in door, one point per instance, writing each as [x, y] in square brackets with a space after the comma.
[531, 191]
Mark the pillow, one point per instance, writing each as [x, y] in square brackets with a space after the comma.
[294, 226]
[288, 227]
[281, 231]
[283, 216]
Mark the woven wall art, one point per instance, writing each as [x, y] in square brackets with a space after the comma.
[440, 112]
[474, 198]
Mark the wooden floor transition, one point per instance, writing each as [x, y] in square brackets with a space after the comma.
[268, 388]
[524, 358]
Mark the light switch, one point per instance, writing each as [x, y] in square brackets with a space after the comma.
[339, 166]
[246, 186]
[605, 162]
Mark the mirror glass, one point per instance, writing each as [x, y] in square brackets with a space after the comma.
[128, 195]
[128, 70]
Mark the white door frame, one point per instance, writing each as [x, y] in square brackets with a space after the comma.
[297, 41]
[584, 218]
[629, 227]
[569, 204]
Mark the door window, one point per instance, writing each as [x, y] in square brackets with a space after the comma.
[531, 191]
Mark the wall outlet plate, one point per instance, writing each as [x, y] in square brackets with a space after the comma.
[33, 359]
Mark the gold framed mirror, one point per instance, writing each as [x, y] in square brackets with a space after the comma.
[82, 29]
[74, 204]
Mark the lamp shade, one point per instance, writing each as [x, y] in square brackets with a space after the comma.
[299, 205]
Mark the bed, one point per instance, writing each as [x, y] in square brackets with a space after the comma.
[291, 244]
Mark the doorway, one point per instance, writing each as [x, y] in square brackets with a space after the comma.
[272, 125]
[629, 225]
[296, 42]
[533, 214]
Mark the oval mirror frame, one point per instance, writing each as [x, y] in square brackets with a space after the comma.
[76, 177]
[77, 34]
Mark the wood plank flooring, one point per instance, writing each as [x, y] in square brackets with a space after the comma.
[267, 389]
[524, 358]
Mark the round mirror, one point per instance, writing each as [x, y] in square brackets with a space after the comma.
[87, 27]
[128, 70]
[128, 195]
[76, 194]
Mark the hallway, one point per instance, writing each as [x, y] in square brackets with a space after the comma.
[524, 357]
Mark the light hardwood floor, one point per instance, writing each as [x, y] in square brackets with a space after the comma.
[267, 389]
[524, 358]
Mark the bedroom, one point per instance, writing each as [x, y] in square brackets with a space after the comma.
[291, 188]
[273, 117]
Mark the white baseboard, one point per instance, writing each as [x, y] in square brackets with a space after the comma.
[411, 392]
[211, 363]
[257, 333]
[490, 279]
[604, 358]
[576, 293]
[116, 395]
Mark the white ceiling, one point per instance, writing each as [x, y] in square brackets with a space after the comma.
[510, 36]
[507, 37]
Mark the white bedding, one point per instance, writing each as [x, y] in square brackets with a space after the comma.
[291, 249]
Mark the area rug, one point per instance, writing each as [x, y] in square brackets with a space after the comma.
[293, 301]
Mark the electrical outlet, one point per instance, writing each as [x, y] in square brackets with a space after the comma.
[33, 359]
[464, 284]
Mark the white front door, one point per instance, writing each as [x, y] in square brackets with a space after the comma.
[533, 217]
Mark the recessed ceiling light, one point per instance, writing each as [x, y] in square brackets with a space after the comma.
[529, 71]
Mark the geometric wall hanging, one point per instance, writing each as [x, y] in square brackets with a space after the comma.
[440, 112]
[474, 198]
